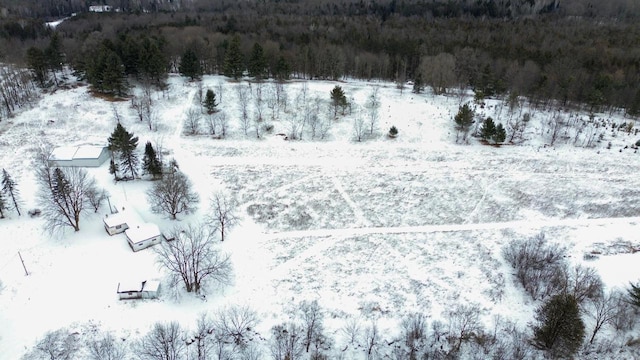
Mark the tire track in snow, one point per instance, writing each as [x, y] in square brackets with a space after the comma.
[357, 211]
[333, 235]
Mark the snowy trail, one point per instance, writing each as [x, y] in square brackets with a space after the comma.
[518, 224]
[330, 236]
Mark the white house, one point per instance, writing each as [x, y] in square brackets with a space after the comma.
[143, 235]
[100, 8]
[82, 156]
[138, 290]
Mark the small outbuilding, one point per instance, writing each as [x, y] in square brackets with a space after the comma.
[80, 156]
[143, 235]
[147, 289]
[121, 219]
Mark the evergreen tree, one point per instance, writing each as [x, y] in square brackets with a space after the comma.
[37, 63]
[124, 143]
[150, 163]
[153, 61]
[233, 63]
[210, 101]
[130, 52]
[634, 295]
[190, 64]
[257, 63]
[9, 188]
[282, 69]
[488, 129]
[559, 329]
[113, 75]
[418, 84]
[500, 134]
[113, 169]
[54, 56]
[338, 99]
[464, 119]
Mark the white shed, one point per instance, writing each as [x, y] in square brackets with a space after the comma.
[121, 220]
[142, 236]
[147, 289]
[82, 156]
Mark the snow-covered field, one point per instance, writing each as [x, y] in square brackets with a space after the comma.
[374, 229]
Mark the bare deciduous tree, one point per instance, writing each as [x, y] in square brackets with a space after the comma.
[106, 348]
[359, 128]
[55, 345]
[163, 342]
[236, 323]
[173, 194]
[311, 316]
[286, 342]
[371, 339]
[192, 121]
[244, 93]
[414, 332]
[96, 197]
[373, 106]
[351, 329]
[194, 259]
[63, 194]
[223, 213]
[464, 320]
[602, 310]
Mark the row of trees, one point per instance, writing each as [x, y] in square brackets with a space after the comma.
[544, 59]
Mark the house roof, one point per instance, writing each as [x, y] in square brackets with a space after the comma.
[151, 285]
[63, 153]
[141, 232]
[126, 215]
[88, 152]
[129, 286]
[69, 153]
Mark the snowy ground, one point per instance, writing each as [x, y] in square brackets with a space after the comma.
[375, 229]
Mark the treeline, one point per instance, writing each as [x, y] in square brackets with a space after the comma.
[546, 58]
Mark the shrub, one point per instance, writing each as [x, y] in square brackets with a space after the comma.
[539, 265]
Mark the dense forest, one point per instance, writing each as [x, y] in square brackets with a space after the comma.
[571, 51]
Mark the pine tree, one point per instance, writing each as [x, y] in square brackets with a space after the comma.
[190, 64]
[257, 63]
[338, 99]
[634, 295]
[464, 119]
[150, 163]
[37, 63]
[500, 134]
[54, 56]
[488, 129]
[210, 101]
[125, 144]
[559, 329]
[9, 188]
[113, 75]
[113, 169]
[282, 70]
[233, 63]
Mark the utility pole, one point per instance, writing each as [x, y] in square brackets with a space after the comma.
[25, 268]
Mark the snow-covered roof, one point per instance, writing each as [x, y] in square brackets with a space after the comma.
[88, 152]
[63, 153]
[129, 286]
[141, 232]
[76, 152]
[151, 285]
[126, 215]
